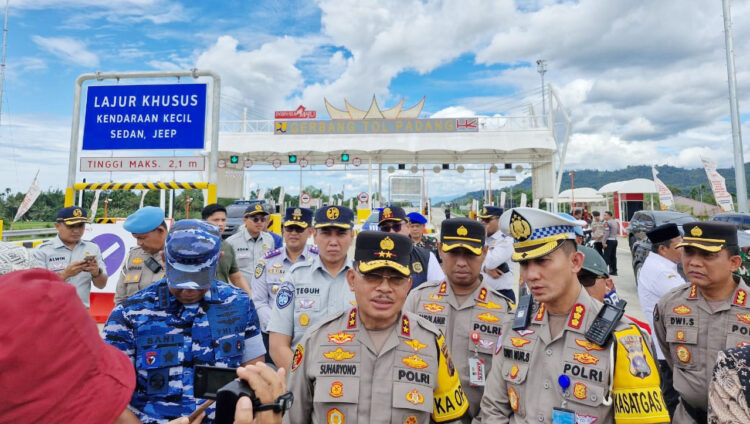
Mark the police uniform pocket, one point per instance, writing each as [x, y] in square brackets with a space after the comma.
[586, 393]
[412, 396]
[514, 372]
[682, 344]
[336, 398]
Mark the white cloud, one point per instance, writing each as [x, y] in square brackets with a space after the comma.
[68, 49]
[116, 12]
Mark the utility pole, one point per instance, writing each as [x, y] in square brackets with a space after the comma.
[541, 67]
[739, 161]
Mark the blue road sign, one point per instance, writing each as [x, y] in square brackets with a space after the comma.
[153, 116]
[113, 251]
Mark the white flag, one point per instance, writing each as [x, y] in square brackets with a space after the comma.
[95, 205]
[719, 187]
[282, 194]
[666, 201]
[30, 198]
[143, 197]
[502, 199]
[535, 203]
[523, 200]
[261, 193]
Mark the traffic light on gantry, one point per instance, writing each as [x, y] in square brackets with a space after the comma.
[234, 159]
[345, 157]
[292, 158]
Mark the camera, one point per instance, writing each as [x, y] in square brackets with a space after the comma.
[223, 386]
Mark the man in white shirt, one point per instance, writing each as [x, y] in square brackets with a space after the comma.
[496, 270]
[658, 276]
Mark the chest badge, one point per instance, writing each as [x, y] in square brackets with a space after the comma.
[683, 354]
[415, 344]
[489, 305]
[417, 267]
[513, 399]
[488, 317]
[585, 358]
[304, 320]
[414, 397]
[744, 318]
[588, 345]
[433, 308]
[519, 342]
[514, 372]
[339, 355]
[306, 303]
[337, 389]
[340, 338]
[334, 416]
[680, 336]
[681, 310]
[414, 361]
[579, 391]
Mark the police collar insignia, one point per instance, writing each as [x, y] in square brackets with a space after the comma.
[576, 316]
[405, 329]
[352, 321]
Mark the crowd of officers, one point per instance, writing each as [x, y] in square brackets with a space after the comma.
[412, 329]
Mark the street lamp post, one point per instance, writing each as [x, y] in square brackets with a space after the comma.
[541, 67]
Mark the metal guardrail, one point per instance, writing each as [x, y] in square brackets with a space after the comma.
[29, 232]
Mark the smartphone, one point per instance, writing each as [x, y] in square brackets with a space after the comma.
[200, 409]
[208, 380]
[89, 258]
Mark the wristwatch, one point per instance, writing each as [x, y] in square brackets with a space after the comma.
[283, 403]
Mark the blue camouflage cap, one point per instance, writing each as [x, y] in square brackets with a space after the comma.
[144, 220]
[416, 218]
[192, 253]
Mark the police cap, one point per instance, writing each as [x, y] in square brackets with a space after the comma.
[462, 232]
[391, 213]
[72, 215]
[536, 232]
[301, 217]
[709, 236]
[334, 216]
[489, 212]
[375, 249]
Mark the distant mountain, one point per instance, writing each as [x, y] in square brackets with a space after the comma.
[683, 179]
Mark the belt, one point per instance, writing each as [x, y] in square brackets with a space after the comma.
[697, 414]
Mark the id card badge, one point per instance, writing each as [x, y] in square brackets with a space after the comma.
[476, 371]
[563, 416]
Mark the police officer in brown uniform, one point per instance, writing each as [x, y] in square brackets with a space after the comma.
[547, 368]
[468, 312]
[694, 321]
[144, 264]
[375, 363]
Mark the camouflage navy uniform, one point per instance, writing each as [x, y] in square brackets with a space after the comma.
[165, 339]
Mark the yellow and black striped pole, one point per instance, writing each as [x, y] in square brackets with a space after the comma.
[173, 185]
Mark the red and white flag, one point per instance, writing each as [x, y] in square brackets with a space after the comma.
[30, 198]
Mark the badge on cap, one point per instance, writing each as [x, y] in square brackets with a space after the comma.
[332, 213]
[387, 213]
[77, 212]
[297, 214]
[519, 227]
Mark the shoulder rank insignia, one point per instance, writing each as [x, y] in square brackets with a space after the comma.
[681, 310]
[352, 321]
[540, 313]
[693, 292]
[340, 338]
[405, 329]
[482, 294]
[272, 253]
[576, 316]
[339, 354]
[740, 297]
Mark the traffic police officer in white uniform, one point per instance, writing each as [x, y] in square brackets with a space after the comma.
[552, 367]
[78, 262]
[144, 264]
[657, 277]
[316, 288]
[250, 242]
[496, 269]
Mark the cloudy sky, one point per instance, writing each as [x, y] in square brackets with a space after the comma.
[645, 82]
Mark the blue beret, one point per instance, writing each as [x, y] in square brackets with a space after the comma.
[416, 218]
[144, 220]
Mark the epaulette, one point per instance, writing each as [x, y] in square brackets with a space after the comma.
[272, 253]
[313, 249]
[427, 325]
[427, 285]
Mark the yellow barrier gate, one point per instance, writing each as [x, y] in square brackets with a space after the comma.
[174, 185]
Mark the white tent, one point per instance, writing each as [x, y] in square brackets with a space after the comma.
[582, 194]
[637, 185]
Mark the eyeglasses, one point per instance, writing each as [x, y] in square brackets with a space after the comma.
[388, 228]
[393, 280]
[257, 218]
[294, 229]
[588, 280]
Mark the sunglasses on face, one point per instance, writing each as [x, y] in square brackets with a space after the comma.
[588, 280]
[486, 220]
[392, 280]
[257, 218]
[388, 228]
[294, 229]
